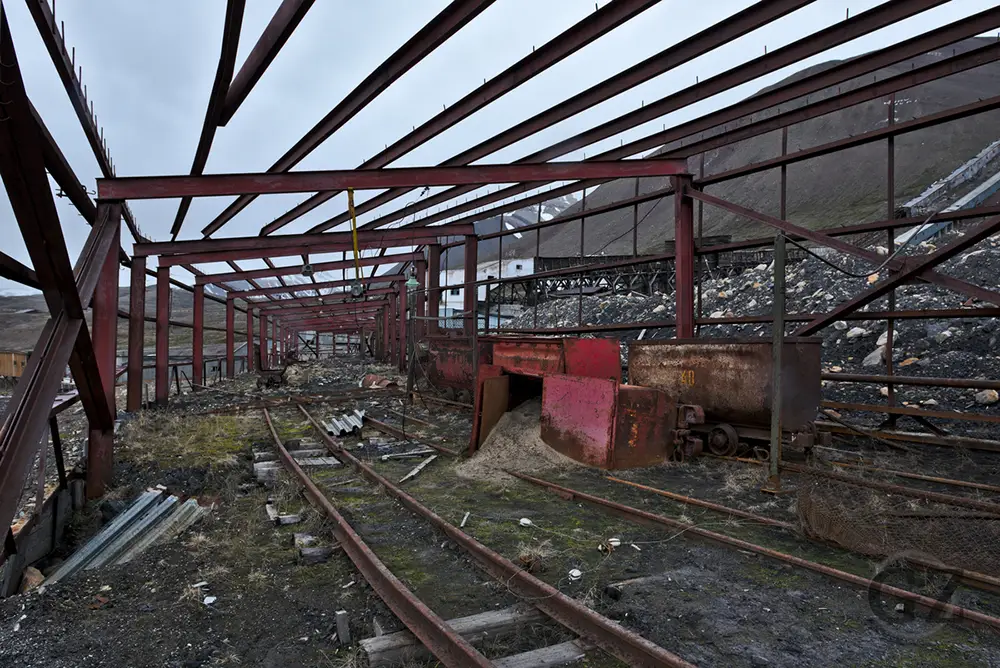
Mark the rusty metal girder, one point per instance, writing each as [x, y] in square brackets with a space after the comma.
[212, 185]
[450, 20]
[281, 26]
[297, 269]
[292, 288]
[857, 26]
[600, 22]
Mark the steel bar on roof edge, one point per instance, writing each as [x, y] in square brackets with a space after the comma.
[321, 266]
[450, 20]
[213, 112]
[342, 298]
[315, 247]
[857, 26]
[211, 185]
[731, 28]
[575, 38]
[281, 26]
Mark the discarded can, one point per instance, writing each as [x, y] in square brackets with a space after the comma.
[575, 574]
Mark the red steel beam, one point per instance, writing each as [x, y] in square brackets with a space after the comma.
[282, 242]
[136, 334]
[595, 25]
[697, 45]
[857, 26]
[281, 26]
[230, 338]
[684, 260]
[286, 305]
[315, 247]
[161, 381]
[212, 185]
[452, 18]
[13, 270]
[104, 319]
[198, 336]
[289, 271]
[913, 267]
[321, 309]
[223, 75]
[305, 287]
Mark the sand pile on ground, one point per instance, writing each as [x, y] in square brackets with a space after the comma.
[515, 444]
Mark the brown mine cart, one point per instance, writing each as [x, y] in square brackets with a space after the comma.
[731, 379]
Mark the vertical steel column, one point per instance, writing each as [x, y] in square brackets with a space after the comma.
[386, 320]
[198, 339]
[273, 357]
[100, 443]
[684, 257]
[700, 259]
[262, 322]
[162, 381]
[635, 223]
[136, 333]
[433, 288]
[419, 323]
[249, 365]
[778, 329]
[583, 233]
[230, 337]
[890, 214]
[401, 300]
[471, 295]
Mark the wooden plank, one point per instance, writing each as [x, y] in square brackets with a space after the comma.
[553, 655]
[394, 649]
[418, 468]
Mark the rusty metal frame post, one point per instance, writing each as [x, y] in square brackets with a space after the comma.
[419, 326]
[777, 329]
[401, 301]
[262, 344]
[100, 441]
[162, 380]
[471, 295]
[433, 288]
[890, 198]
[684, 256]
[198, 338]
[136, 334]
[249, 366]
[230, 337]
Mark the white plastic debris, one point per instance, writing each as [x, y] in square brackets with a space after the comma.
[525, 522]
[614, 542]
[575, 574]
[209, 600]
[199, 585]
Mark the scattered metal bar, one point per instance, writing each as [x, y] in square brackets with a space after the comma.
[912, 412]
[964, 383]
[418, 468]
[914, 437]
[403, 436]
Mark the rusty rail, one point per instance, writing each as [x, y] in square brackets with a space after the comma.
[914, 437]
[980, 580]
[635, 514]
[630, 647]
[451, 648]
[689, 500]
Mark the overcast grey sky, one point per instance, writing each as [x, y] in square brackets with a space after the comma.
[149, 68]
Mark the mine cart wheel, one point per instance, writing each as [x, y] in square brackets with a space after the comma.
[723, 440]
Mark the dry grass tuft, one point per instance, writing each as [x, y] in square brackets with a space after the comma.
[742, 478]
[533, 557]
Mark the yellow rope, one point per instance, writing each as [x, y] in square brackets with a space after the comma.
[354, 233]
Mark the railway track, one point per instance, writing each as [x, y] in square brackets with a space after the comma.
[572, 619]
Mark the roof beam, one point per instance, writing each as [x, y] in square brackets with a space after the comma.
[223, 75]
[857, 26]
[584, 32]
[452, 18]
[212, 185]
[310, 287]
[727, 30]
[281, 26]
[205, 279]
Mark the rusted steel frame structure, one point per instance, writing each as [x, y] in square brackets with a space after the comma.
[642, 516]
[291, 289]
[67, 290]
[227, 277]
[602, 21]
[627, 646]
[857, 26]
[449, 647]
[450, 20]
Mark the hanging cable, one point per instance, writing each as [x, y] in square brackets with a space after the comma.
[354, 233]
